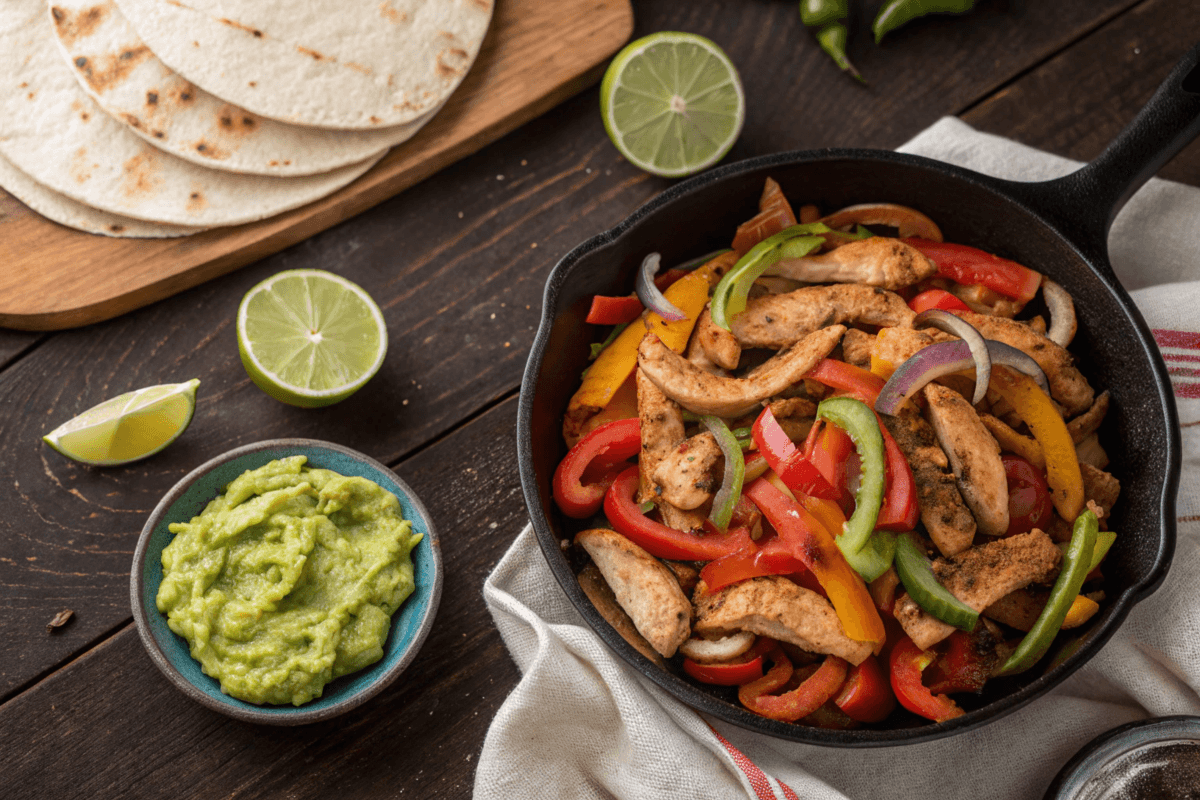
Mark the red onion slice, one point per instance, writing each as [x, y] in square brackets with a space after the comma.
[1010, 356]
[649, 294]
[1062, 313]
[930, 363]
[964, 330]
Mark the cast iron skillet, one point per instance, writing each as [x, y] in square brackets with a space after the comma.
[1058, 227]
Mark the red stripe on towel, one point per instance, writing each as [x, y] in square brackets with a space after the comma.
[756, 777]
[1185, 339]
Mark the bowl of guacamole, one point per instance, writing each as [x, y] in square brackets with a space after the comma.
[286, 581]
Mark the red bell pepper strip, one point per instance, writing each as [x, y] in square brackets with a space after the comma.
[905, 665]
[968, 265]
[788, 462]
[613, 441]
[937, 298]
[867, 696]
[659, 540]
[804, 699]
[961, 668]
[772, 557]
[614, 310]
[831, 450]
[859, 383]
[775, 214]
[725, 674]
[811, 543]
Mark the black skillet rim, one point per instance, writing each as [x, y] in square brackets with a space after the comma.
[710, 704]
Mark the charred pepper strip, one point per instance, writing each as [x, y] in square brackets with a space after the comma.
[916, 573]
[1066, 588]
[895, 13]
[857, 419]
[827, 20]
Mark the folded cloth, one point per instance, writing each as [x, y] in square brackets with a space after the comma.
[583, 724]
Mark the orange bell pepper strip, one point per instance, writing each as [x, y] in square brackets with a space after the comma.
[617, 361]
[1048, 428]
[813, 544]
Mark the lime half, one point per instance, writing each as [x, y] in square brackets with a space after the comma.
[672, 103]
[309, 337]
[135, 425]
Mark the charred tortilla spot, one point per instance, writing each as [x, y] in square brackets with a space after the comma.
[73, 28]
[116, 228]
[311, 53]
[158, 134]
[255, 32]
[196, 201]
[151, 98]
[391, 13]
[106, 72]
[81, 62]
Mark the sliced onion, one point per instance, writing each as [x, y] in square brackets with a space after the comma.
[1062, 313]
[649, 294]
[964, 330]
[735, 472]
[928, 364]
[688, 266]
[1010, 356]
[907, 221]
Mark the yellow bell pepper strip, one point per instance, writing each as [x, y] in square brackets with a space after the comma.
[1037, 409]
[617, 361]
[1081, 610]
[1062, 596]
[815, 546]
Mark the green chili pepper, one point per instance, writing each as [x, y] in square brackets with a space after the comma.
[729, 296]
[1104, 540]
[895, 13]
[827, 20]
[858, 420]
[1070, 579]
[916, 573]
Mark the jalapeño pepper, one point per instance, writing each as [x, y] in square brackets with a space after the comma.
[895, 13]
[1074, 569]
[827, 20]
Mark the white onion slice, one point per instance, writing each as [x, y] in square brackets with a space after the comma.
[1062, 313]
[649, 294]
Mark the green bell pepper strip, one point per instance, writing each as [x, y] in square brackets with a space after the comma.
[895, 13]
[1075, 568]
[726, 498]
[875, 558]
[916, 573]
[858, 420]
[729, 296]
[827, 20]
[1104, 540]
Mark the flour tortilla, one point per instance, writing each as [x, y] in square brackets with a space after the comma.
[346, 64]
[116, 68]
[52, 131]
[65, 211]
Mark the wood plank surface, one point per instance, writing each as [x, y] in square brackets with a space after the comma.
[535, 55]
[459, 264]
[461, 296]
[110, 724]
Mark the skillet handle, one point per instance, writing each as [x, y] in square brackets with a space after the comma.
[1084, 203]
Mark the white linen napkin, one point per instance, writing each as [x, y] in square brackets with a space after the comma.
[582, 724]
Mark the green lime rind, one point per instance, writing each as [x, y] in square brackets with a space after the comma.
[672, 103]
[127, 428]
[916, 573]
[310, 338]
[730, 293]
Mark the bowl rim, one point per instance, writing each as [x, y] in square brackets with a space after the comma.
[709, 703]
[282, 715]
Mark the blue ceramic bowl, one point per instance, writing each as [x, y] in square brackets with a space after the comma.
[410, 624]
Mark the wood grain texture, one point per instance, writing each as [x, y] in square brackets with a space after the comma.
[1099, 85]
[418, 738]
[535, 55]
[461, 294]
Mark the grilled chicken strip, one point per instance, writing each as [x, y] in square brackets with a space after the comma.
[776, 320]
[943, 512]
[704, 393]
[1067, 384]
[719, 345]
[685, 478]
[1020, 609]
[662, 429]
[602, 597]
[776, 607]
[878, 261]
[974, 457]
[856, 347]
[979, 577]
[1089, 421]
[643, 586]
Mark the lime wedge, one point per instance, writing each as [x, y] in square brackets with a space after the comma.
[135, 425]
[672, 103]
[310, 338]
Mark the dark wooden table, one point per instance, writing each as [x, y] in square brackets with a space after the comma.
[458, 264]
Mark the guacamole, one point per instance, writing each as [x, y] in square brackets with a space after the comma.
[288, 580]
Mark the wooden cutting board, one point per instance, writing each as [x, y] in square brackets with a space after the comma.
[536, 54]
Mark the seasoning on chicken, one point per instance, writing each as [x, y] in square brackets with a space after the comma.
[661, 430]
[601, 595]
[685, 478]
[775, 321]
[878, 261]
[776, 607]
[979, 577]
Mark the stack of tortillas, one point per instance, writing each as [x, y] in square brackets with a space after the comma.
[164, 117]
